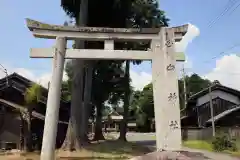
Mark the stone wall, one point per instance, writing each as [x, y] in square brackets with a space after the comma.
[10, 131]
[206, 133]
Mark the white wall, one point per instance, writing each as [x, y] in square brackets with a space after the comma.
[221, 94]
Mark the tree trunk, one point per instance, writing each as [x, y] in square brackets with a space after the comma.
[21, 132]
[123, 124]
[29, 128]
[87, 99]
[72, 139]
[98, 134]
[25, 131]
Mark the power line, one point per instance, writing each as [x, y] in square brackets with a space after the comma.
[221, 53]
[230, 4]
[234, 9]
[226, 9]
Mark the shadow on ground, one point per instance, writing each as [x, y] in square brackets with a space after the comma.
[195, 155]
[119, 148]
[111, 149]
[81, 158]
[151, 144]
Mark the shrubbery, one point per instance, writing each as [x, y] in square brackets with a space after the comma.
[224, 142]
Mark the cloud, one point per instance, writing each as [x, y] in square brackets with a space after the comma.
[139, 80]
[2, 74]
[227, 71]
[42, 79]
[192, 33]
[181, 46]
[25, 73]
[45, 78]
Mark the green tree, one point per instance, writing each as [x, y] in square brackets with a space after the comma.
[123, 125]
[194, 84]
[107, 79]
[117, 13]
[66, 90]
[142, 104]
[142, 14]
[32, 96]
[142, 107]
[107, 84]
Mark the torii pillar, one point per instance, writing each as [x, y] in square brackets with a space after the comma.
[163, 56]
[165, 91]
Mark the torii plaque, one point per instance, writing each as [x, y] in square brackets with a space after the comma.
[163, 56]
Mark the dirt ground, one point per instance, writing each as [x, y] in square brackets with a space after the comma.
[97, 151]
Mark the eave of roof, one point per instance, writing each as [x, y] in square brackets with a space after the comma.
[215, 87]
[223, 114]
[28, 82]
[23, 109]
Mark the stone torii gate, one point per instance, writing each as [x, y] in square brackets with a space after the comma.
[161, 53]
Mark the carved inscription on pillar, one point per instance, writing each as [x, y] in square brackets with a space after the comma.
[170, 67]
[169, 43]
[172, 97]
[174, 125]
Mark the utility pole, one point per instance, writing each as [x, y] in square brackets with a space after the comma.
[211, 108]
[184, 87]
[6, 73]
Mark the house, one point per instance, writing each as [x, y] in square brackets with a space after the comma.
[226, 108]
[13, 109]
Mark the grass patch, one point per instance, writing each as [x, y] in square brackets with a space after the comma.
[103, 150]
[205, 145]
[197, 144]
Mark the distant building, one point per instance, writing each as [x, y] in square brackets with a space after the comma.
[112, 121]
[226, 108]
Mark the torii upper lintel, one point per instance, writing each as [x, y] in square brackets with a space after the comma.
[44, 30]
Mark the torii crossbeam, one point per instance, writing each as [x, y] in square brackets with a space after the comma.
[163, 56]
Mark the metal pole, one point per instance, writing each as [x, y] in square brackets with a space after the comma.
[211, 108]
[53, 102]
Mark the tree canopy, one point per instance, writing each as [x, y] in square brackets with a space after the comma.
[119, 13]
[194, 84]
[107, 85]
[142, 105]
[33, 93]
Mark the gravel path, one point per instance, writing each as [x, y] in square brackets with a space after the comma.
[148, 139]
[212, 155]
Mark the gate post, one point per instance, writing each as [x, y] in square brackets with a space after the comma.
[165, 90]
[53, 102]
